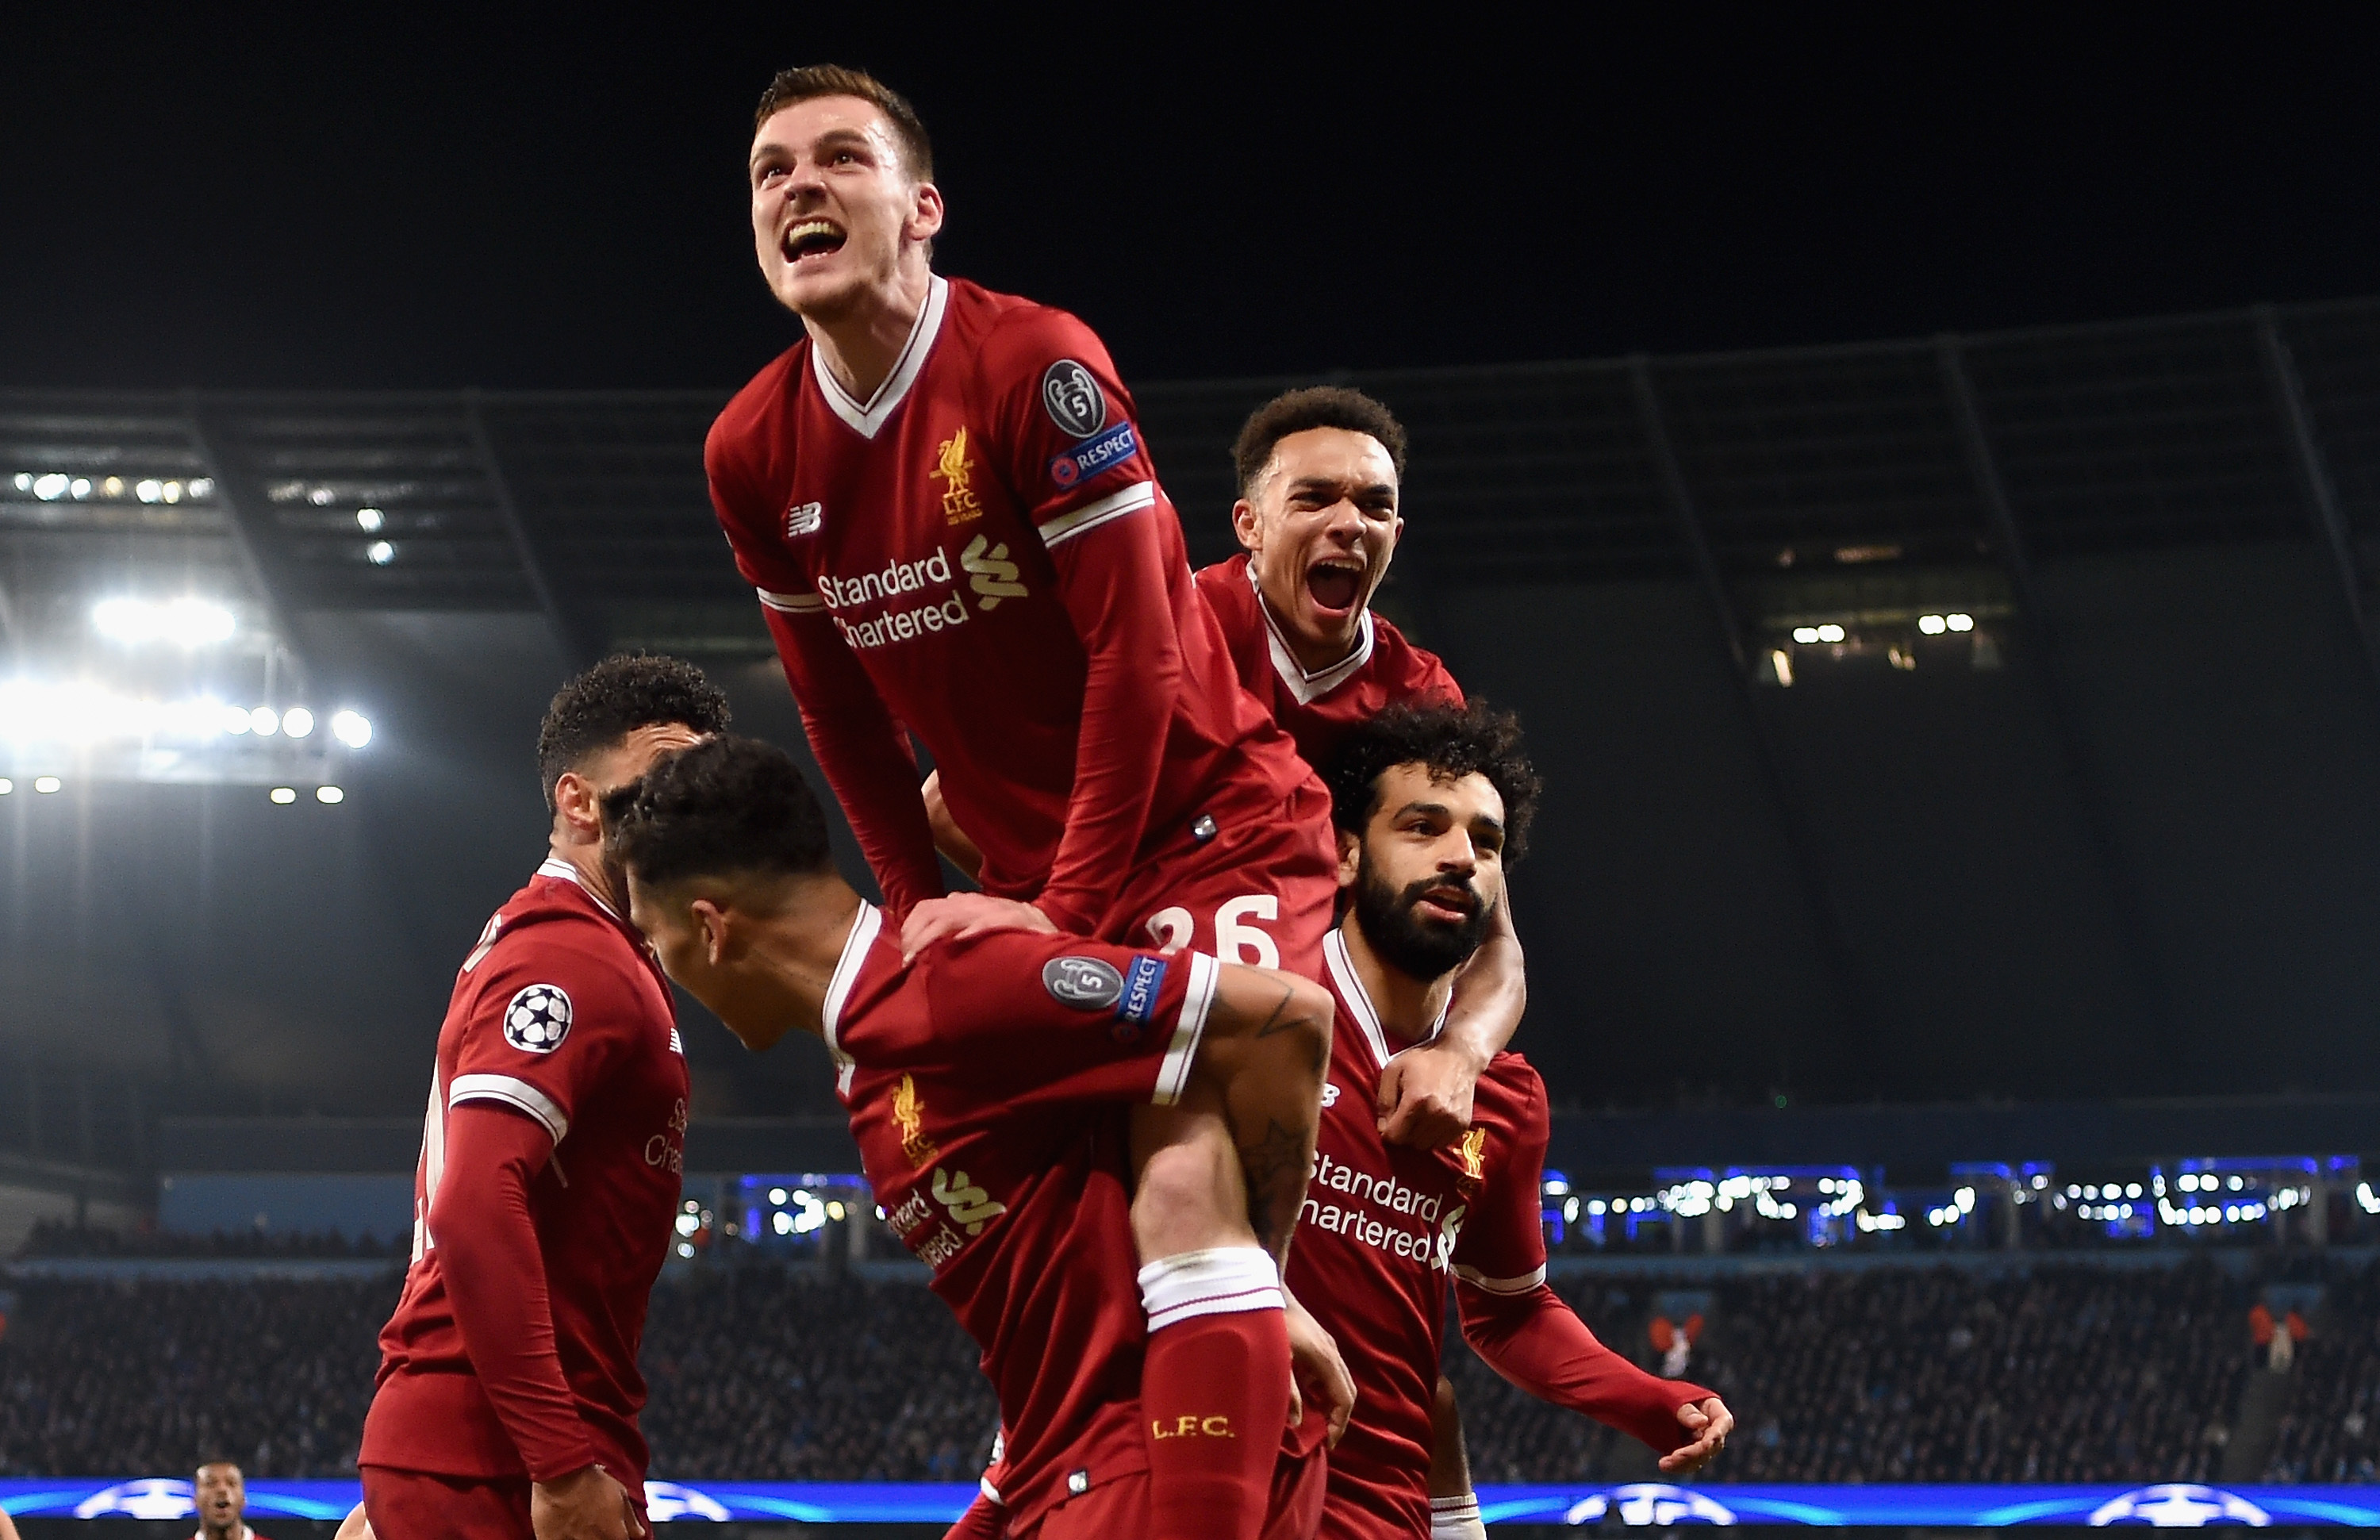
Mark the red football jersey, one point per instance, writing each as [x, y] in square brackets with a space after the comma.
[981, 555]
[1384, 1230]
[986, 1085]
[1318, 710]
[562, 1013]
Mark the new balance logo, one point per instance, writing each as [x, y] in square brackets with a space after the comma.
[969, 1204]
[993, 575]
[804, 518]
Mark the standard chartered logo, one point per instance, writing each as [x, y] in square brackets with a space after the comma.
[992, 574]
[969, 1204]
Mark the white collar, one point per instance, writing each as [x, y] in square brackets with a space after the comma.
[1358, 999]
[865, 421]
[556, 866]
[847, 971]
[1310, 688]
[245, 1533]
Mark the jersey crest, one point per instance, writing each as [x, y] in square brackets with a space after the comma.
[909, 1111]
[1072, 398]
[1473, 1152]
[951, 469]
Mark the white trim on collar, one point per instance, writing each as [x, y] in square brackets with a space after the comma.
[865, 421]
[1358, 1001]
[556, 866]
[1310, 688]
[846, 974]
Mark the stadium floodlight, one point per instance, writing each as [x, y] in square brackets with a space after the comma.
[1933, 625]
[79, 486]
[380, 552]
[50, 488]
[24, 482]
[351, 728]
[369, 520]
[6, 785]
[777, 1196]
[1960, 623]
[329, 797]
[149, 490]
[46, 785]
[297, 722]
[264, 722]
[1831, 633]
[234, 720]
[284, 796]
[112, 486]
[1806, 635]
[188, 623]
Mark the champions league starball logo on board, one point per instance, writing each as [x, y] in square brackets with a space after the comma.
[1650, 1503]
[2180, 1507]
[538, 1019]
[666, 1502]
[154, 1498]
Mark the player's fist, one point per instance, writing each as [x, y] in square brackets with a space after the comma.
[1710, 1422]
[1425, 1096]
[585, 1505]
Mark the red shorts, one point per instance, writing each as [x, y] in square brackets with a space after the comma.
[1121, 1508]
[1260, 890]
[418, 1504]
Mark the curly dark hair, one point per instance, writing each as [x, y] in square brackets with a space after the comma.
[1451, 742]
[1315, 406]
[720, 807]
[624, 692]
[807, 82]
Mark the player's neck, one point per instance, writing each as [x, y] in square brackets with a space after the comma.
[860, 344]
[799, 948]
[597, 878]
[1408, 1007]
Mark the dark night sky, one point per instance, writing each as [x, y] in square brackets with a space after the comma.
[221, 197]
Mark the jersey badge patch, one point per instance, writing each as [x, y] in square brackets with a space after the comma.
[538, 1019]
[1093, 456]
[951, 469]
[1138, 1005]
[804, 518]
[909, 1111]
[1082, 983]
[1073, 400]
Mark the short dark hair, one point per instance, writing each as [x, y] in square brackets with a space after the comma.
[1450, 742]
[722, 807]
[624, 692]
[1315, 406]
[807, 82]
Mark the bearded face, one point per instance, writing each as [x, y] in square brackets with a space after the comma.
[1425, 928]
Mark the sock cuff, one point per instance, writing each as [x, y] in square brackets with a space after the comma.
[1222, 1281]
[1456, 1518]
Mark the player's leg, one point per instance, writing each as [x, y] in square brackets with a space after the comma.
[1215, 1384]
[1453, 1506]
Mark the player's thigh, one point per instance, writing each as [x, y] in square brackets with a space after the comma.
[417, 1505]
[1266, 899]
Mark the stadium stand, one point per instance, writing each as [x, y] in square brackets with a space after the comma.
[2067, 1370]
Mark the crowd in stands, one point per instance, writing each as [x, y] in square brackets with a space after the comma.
[2066, 1372]
[61, 1237]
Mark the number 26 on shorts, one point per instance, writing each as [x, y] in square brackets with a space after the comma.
[1236, 941]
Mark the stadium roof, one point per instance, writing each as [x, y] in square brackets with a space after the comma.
[590, 508]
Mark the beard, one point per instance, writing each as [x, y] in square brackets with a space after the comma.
[1424, 949]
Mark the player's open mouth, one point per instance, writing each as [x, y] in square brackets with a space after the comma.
[1452, 904]
[1335, 587]
[811, 237]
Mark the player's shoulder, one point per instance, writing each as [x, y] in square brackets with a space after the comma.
[754, 409]
[1411, 670]
[1511, 1091]
[1225, 586]
[552, 928]
[1009, 328]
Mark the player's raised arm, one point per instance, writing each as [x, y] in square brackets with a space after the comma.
[1075, 453]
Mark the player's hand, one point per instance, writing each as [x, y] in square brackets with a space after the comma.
[949, 838]
[585, 1505]
[1425, 1096]
[355, 1526]
[1317, 1370]
[964, 915]
[1710, 1422]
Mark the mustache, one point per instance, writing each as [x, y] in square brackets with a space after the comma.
[1465, 896]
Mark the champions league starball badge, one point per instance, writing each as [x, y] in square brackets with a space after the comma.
[538, 1019]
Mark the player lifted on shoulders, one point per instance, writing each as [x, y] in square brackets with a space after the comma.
[956, 532]
[1431, 803]
[551, 1162]
[1321, 475]
[987, 1082]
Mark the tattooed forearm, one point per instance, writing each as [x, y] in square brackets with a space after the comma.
[1275, 1166]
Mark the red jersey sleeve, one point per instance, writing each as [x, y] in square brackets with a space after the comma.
[1069, 446]
[863, 751]
[552, 1017]
[1524, 1330]
[1412, 672]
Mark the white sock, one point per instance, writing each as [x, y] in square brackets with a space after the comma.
[1456, 1518]
[1218, 1281]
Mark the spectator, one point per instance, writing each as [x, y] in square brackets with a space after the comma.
[2260, 1332]
[222, 1494]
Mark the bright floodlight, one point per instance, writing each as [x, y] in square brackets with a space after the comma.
[284, 796]
[380, 552]
[6, 785]
[1960, 623]
[297, 722]
[1933, 625]
[1830, 632]
[151, 491]
[50, 488]
[45, 785]
[264, 722]
[234, 720]
[329, 797]
[369, 520]
[351, 728]
[187, 622]
[1805, 635]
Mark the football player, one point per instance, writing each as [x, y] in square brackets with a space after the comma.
[956, 532]
[551, 1163]
[1431, 804]
[987, 1082]
[220, 1492]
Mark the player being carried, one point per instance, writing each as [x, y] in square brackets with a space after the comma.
[551, 1162]
[987, 1082]
[1320, 473]
[1432, 803]
[955, 530]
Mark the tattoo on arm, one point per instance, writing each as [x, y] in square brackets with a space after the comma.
[1274, 1166]
[1274, 1022]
